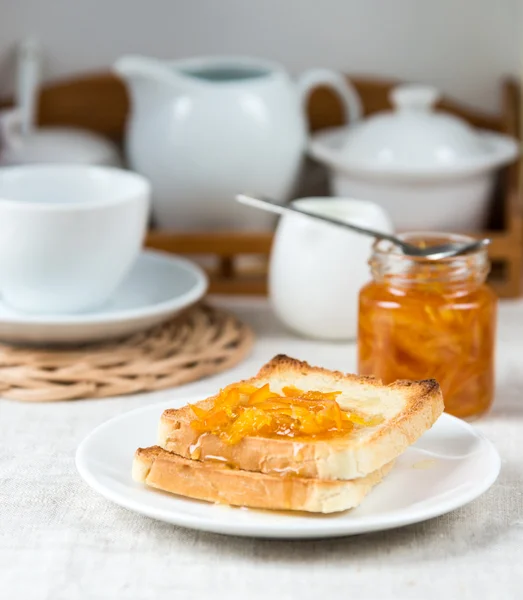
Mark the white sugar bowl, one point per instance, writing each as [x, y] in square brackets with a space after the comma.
[427, 168]
[52, 145]
[317, 269]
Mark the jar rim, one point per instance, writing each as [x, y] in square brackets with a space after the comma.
[386, 247]
[389, 261]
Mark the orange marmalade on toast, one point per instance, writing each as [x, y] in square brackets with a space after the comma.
[244, 410]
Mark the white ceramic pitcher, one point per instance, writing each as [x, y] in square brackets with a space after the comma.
[317, 270]
[203, 129]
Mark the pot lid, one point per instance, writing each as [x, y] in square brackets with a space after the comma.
[53, 145]
[412, 135]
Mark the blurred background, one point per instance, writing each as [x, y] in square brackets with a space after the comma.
[399, 115]
[200, 149]
[462, 47]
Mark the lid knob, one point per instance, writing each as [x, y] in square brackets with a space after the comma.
[414, 97]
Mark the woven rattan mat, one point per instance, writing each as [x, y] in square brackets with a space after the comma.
[200, 342]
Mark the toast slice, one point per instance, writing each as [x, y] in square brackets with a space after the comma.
[408, 409]
[215, 482]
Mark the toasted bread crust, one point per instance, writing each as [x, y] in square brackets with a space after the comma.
[214, 482]
[281, 363]
[342, 458]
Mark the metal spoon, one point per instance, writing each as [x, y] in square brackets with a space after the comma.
[432, 252]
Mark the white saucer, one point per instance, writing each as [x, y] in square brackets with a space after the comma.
[159, 286]
[451, 465]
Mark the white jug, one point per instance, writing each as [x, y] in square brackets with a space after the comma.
[317, 270]
[203, 129]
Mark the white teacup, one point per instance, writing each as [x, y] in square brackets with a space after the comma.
[317, 270]
[68, 234]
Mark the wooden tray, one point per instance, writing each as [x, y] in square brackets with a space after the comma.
[99, 102]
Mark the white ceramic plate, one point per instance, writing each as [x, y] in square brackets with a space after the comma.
[159, 286]
[448, 467]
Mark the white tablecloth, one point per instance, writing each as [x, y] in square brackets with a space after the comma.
[59, 540]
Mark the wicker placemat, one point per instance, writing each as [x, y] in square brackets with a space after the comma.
[200, 342]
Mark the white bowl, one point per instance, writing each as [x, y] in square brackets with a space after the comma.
[69, 234]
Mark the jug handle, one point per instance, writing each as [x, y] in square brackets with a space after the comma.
[314, 78]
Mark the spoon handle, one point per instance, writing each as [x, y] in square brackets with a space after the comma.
[262, 204]
[270, 206]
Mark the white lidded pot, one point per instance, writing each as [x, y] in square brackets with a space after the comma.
[58, 145]
[23, 143]
[427, 168]
[204, 129]
[317, 269]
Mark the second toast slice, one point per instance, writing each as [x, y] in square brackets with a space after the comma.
[216, 483]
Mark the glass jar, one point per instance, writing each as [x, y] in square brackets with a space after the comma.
[423, 318]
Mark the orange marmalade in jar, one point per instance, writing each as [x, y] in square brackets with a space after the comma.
[422, 318]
